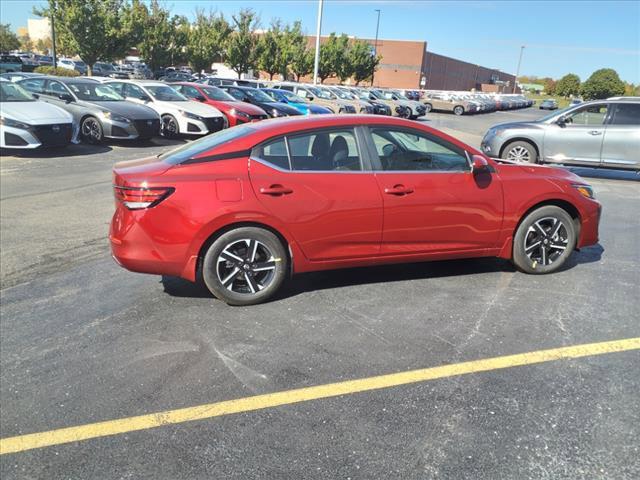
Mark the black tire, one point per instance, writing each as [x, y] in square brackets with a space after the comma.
[169, 126]
[91, 130]
[554, 248]
[520, 151]
[428, 107]
[458, 110]
[247, 286]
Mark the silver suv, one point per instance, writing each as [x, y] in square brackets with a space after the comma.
[600, 133]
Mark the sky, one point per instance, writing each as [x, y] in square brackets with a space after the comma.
[560, 37]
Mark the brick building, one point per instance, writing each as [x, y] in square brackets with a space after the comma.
[408, 64]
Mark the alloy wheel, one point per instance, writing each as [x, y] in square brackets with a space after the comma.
[246, 266]
[546, 240]
[169, 126]
[519, 154]
[91, 129]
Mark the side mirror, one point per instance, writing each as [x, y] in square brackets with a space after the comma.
[65, 97]
[200, 98]
[562, 121]
[479, 164]
[36, 96]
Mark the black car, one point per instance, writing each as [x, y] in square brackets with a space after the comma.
[176, 77]
[260, 99]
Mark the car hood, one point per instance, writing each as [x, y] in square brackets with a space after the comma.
[128, 110]
[35, 113]
[315, 108]
[283, 107]
[514, 125]
[196, 108]
[547, 171]
[246, 108]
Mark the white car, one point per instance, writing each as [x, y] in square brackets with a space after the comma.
[180, 116]
[27, 123]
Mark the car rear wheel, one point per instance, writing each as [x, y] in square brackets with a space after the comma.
[245, 266]
[406, 112]
[544, 240]
[428, 107]
[521, 152]
[458, 110]
[170, 127]
[91, 130]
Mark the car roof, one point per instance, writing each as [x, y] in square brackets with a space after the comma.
[76, 79]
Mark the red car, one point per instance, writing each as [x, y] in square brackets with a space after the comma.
[235, 111]
[244, 208]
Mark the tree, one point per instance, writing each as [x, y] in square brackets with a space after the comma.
[549, 86]
[272, 50]
[293, 46]
[25, 43]
[44, 45]
[333, 57]
[8, 39]
[241, 51]
[568, 85]
[603, 83]
[362, 60]
[206, 40]
[631, 90]
[94, 29]
[302, 58]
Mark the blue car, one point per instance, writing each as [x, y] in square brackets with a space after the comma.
[295, 101]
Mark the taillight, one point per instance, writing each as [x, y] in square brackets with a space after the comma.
[135, 198]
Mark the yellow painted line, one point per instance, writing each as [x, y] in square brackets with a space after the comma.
[248, 404]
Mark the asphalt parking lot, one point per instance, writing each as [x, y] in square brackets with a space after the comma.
[84, 341]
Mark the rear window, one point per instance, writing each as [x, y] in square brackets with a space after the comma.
[205, 144]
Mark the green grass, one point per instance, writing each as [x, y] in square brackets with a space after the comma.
[562, 102]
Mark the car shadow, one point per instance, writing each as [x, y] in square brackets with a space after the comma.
[71, 150]
[605, 174]
[328, 279]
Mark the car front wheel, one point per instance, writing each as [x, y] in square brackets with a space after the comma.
[458, 110]
[521, 152]
[170, 127]
[91, 130]
[544, 240]
[428, 107]
[245, 266]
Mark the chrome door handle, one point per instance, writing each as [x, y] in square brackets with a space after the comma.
[595, 132]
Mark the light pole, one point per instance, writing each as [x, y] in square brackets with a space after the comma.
[515, 83]
[316, 62]
[375, 45]
[53, 33]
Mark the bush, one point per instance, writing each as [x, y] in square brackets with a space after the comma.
[59, 72]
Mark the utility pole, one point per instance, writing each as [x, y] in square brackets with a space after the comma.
[53, 33]
[316, 62]
[375, 45]
[515, 83]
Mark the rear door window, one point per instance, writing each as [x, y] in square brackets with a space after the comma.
[626, 114]
[35, 85]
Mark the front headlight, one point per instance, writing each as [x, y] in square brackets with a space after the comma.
[190, 115]
[277, 113]
[7, 122]
[114, 117]
[242, 115]
[585, 190]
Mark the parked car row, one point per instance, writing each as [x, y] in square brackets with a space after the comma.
[461, 103]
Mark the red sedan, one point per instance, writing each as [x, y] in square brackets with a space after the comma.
[244, 208]
[235, 111]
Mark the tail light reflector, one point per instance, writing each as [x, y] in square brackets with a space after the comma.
[135, 198]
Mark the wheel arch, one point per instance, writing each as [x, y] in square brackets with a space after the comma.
[521, 139]
[232, 226]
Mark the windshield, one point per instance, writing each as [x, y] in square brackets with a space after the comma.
[205, 144]
[399, 95]
[104, 66]
[94, 92]
[292, 97]
[217, 94]
[326, 94]
[376, 94]
[10, 92]
[257, 95]
[164, 93]
[342, 94]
